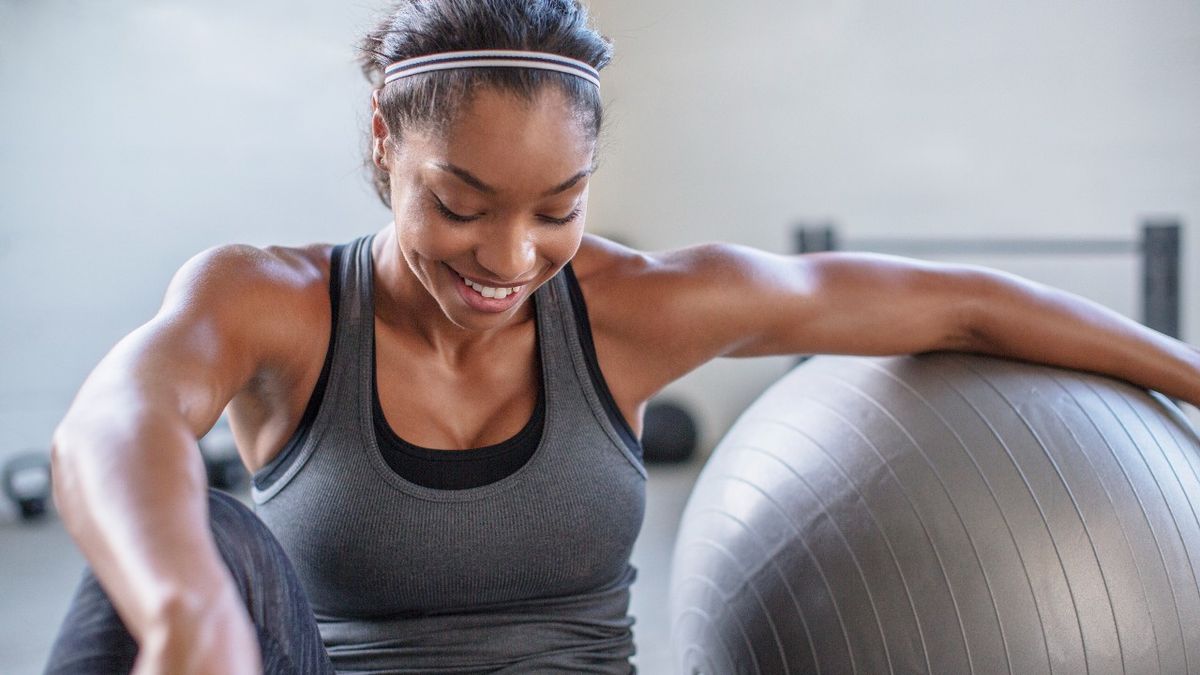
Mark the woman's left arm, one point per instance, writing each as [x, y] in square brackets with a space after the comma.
[724, 300]
[1018, 318]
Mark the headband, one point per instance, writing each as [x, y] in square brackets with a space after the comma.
[490, 58]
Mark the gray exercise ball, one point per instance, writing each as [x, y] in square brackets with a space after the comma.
[943, 514]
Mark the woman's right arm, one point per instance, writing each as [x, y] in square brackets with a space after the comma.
[129, 480]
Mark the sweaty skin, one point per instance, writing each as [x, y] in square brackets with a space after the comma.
[500, 197]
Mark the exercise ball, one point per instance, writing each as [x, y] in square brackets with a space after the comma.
[943, 513]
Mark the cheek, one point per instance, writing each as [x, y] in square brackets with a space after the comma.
[561, 246]
[426, 242]
[419, 233]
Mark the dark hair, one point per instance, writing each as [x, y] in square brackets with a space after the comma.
[420, 27]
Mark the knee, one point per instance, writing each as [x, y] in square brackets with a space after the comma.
[244, 542]
[228, 515]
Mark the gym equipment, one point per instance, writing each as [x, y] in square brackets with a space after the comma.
[669, 432]
[1158, 246]
[943, 513]
[222, 464]
[26, 481]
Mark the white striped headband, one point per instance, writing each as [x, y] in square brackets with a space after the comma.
[490, 58]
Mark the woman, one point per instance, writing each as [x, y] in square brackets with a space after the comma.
[441, 418]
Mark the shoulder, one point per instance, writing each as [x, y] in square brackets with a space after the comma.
[600, 260]
[605, 261]
[269, 267]
[264, 297]
[656, 316]
[632, 284]
[239, 275]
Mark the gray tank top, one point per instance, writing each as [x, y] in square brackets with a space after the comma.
[528, 574]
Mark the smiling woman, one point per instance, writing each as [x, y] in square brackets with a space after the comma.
[442, 417]
[492, 205]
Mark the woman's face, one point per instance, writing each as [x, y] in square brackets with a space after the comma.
[492, 208]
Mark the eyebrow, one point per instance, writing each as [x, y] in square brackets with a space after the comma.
[472, 180]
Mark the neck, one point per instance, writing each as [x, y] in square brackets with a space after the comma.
[404, 306]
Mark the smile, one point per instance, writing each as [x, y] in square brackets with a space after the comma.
[489, 291]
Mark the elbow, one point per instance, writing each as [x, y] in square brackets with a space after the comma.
[64, 447]
[59, 462]
[973, 292]
[59, 443]
[69, 465]
[62, 474]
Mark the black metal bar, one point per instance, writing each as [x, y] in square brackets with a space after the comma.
[816, 238]
[1160, 275]
[1025, 247]
[1159, 247]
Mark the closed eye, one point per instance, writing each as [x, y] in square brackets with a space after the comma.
[564, 220]
[460, 218]
[448, 214]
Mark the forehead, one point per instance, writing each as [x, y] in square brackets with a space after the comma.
[512, 143]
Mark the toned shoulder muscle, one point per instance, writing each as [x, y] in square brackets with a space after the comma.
[237, 318]
[663, 314]
[251, 298]
[629, 295]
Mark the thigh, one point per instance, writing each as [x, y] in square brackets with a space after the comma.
[278, 605]
[93, 639]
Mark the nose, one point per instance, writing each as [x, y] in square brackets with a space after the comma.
[508, 254]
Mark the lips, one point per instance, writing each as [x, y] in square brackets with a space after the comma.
[487, 298]
[487, 291]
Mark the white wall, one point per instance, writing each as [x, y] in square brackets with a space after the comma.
[942, 118]
[134, 133]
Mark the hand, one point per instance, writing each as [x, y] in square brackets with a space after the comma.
[217, 638]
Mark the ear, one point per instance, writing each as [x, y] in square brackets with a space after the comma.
[380, 135]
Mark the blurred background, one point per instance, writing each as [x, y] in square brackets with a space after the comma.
[135, 133]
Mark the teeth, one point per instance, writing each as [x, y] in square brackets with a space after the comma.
[489, 292]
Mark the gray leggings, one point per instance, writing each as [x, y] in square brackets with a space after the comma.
[93, 639]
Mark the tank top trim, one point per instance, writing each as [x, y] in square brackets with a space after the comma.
[529, 434]
[590, 389]
[526, 435]
[364, 327]
[583, 328]
[268, 481]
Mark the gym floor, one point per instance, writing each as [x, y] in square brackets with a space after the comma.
[41, 567]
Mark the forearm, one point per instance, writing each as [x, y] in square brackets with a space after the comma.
[1020, 319]
[131, 488]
